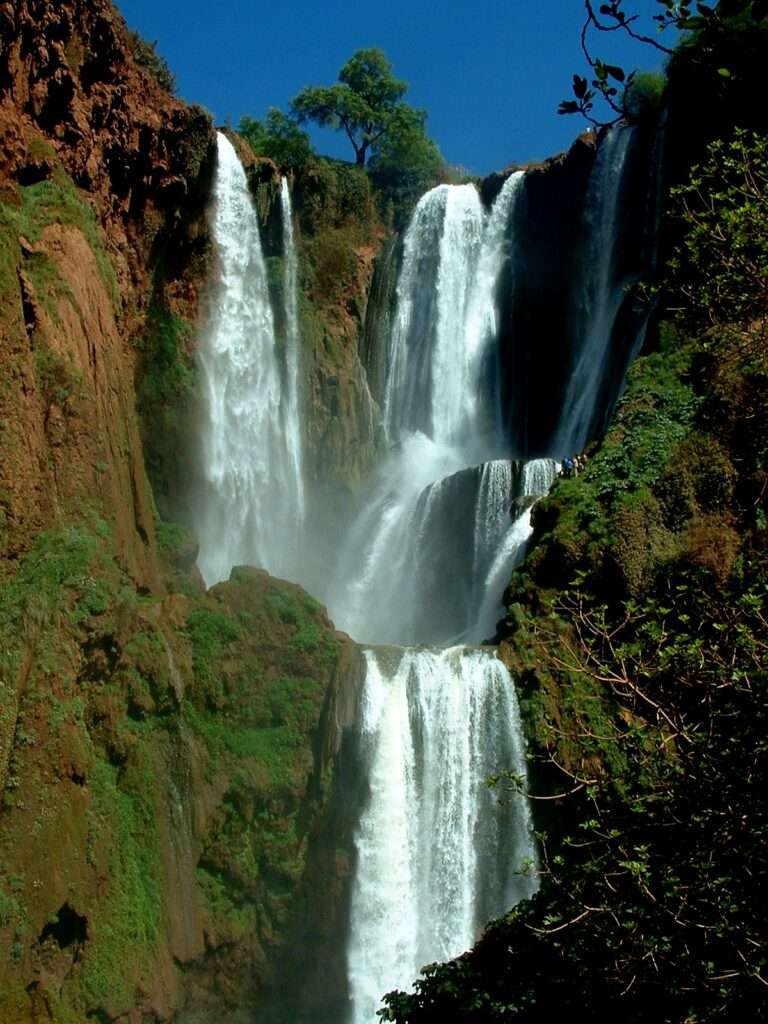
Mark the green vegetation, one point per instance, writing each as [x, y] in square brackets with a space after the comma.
[367, 105]
[644, 95]
[95, 737]
[168, 376]
[404, 163]
[273, 727]
[364, 104]
[721, 41]
[239, 918]
[123, 831]
[211, 633]
[146, 56]
[38, 206]
[722, 264]
[50, 579]
[279, 138]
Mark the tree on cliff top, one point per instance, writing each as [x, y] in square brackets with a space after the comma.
[366, 103]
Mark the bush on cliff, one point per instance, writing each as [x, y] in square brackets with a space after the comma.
[146, 56]
[277, 137]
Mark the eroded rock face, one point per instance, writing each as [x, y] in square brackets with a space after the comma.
[542, 291]
[97, 164]
[169, 826]
[168, 759]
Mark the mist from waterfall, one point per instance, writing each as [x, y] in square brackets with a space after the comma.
[439, 855]
[251, 511]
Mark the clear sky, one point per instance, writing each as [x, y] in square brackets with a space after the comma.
[489, 74]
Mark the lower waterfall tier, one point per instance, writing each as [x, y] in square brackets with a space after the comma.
[438, 855]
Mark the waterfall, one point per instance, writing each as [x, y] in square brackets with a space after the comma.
[292, 421]
[441, 418]
[427, 556]
[427, 562]
[501, 544]
[251, 509]
[445, 316]
[438, 854]
[538, 477]
[601, 291]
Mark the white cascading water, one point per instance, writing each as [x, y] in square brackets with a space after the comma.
[446, 316]
[438, 854]
[427, 561]
[292, 418]
[252, 510]
[601, 292]
[500, 544]
[439, 412]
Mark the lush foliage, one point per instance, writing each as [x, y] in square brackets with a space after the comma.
[405, 162]
[366, 104]
[722, 263]
[278, 137]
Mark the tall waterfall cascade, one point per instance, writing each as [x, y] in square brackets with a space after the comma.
[427, 562]
[601, 290]
[252, 509]
[431, 546]
[292, 416]
[441, 416]
[438, 854]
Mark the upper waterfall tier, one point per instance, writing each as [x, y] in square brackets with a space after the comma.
[424, 560]
[252, 509]
[437, 380]
[570, 321]
[602, 287]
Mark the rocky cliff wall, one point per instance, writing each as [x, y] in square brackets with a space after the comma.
[542, 292]
[97, 164]
[167, 758]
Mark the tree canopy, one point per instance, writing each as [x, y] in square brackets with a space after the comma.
[278, 137]
[366, 104]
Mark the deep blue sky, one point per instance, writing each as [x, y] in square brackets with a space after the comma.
[489, 74]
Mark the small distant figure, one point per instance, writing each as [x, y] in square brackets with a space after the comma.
[568, 467]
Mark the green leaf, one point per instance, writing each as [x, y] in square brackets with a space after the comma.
[579, 86]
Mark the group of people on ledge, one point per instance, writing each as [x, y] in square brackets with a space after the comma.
[573, 465]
